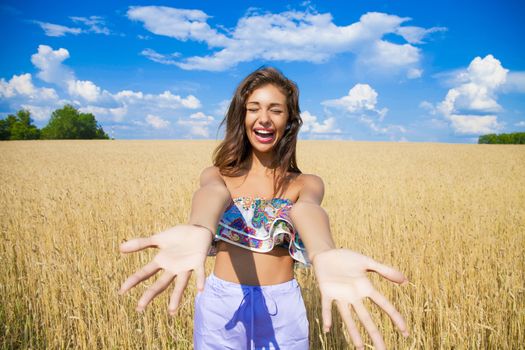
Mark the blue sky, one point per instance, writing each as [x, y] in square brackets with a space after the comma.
[417, 71]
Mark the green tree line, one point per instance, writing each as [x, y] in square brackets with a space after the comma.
[513, 138]
[65, 123]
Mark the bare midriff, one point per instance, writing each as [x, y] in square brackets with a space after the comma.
[240, 265]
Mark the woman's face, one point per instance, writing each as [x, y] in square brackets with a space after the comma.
[266, 117]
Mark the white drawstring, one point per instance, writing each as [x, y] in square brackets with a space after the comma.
[240, 310]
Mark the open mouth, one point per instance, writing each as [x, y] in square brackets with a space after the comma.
[264, 136]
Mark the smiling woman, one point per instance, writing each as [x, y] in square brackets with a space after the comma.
[259, 215]
[265, 102]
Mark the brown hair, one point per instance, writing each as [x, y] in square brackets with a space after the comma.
[232, 154]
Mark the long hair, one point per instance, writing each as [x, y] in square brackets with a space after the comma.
[232, 154]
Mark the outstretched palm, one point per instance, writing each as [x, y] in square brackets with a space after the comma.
[183, 249]
[341, 274]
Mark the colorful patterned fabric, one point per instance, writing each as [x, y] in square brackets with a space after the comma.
[260, 225]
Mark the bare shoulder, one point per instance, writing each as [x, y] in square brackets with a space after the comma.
[312, 188]
[310, 180]
[209, 175]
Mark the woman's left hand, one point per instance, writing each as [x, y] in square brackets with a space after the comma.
[341, 274]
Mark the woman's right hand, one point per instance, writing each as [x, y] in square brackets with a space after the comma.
[183, 248]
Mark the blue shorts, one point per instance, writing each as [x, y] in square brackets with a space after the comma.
[229, 315]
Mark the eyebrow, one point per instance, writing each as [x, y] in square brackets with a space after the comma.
[271, 104]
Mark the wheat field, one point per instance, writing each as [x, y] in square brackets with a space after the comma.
[451, 217]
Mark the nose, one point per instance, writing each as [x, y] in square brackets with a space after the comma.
[264, 117]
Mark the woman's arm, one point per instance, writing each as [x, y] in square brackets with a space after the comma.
[341, 273]
[310, 219]
[210, 200]
[182, 248]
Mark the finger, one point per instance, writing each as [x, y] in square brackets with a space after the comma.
[180, 284]
[369, 324]
[326, 305]
[160, 284]
[396, 317]
[139, 276]
[200, 278]
[350, 324]
[386, 271]
[136, 244]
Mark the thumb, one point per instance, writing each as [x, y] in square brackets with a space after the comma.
[386, 271]
[136, 244]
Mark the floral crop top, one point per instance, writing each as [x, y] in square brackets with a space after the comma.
[260, 225]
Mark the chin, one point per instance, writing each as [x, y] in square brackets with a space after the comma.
[263, 149]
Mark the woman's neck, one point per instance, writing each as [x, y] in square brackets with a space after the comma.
[260, 163]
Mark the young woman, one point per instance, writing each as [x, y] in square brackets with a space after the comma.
[260, 215]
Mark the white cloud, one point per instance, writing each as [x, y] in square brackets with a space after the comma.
[386, 54]
[415, 35]
[157, 122]
[201, 116]
[137, 103]
[160, 58]
[474, 124]
[180, 24]
[87, 96]
[22, 85]
[198, 123]
[129, 96]
[92, 24]
[85, 89]
[49, 62]
[311, 125]
[191, 102]
[95, 24]
[471, 104]
[520, 123]
[361, 104]
[20, 92]
[373, 125]
[487, 72]
[51, 29]
[52, 69]
[414, 73]
[116, 114]
[477, 87]
[428, 106]
[287, 36]
[168, 100]
[360, 98]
